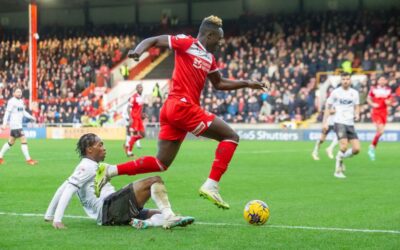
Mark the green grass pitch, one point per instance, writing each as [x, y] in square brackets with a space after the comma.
[310, 209]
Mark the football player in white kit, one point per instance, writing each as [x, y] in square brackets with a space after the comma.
[126, 116]
[345, 100]
[122, 207]
[15, 112]
[324, 134]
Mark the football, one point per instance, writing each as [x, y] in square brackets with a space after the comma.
[256, 212]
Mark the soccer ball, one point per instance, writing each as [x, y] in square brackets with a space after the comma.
[256, 212]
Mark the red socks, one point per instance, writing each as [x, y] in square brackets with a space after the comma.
[148, 164]
[132, 142]
[223, 156]
[376, 139]
[145, 164]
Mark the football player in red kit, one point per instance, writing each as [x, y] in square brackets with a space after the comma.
[181, 113]
[135, 118]
[379, 98]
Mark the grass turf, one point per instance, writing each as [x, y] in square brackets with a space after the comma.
[299, 191]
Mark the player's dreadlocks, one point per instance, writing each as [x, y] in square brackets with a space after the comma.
[84, 142]
[211, 22]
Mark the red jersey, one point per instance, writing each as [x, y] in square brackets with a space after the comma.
[379, 95]
[192, 65]
[136, 103]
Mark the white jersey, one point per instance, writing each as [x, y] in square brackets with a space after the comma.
[344, 102]
[80, 182]
[15, 113]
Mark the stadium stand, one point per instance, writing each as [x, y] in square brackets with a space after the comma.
[289, 51]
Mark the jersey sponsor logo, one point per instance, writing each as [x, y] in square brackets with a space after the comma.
[345, 101]
[20, 109]
[381, 93]
[197, 63]
[200, 64]
[196, 51]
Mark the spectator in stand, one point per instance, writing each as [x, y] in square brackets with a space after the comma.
[124, 71]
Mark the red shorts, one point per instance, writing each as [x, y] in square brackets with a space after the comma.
[379, 118]
[137, 125]
[177, 118]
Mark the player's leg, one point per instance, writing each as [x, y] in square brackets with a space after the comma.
[6, 147]
[354, 142]
[154, 187]
[120, 207]
[138, 134]
[136, 137]
[343, 144]
[138, 144]
[131, 143]
[318, 143]
[25, 151]
[228, 141]
[170, 139]
[167, 151]
[127, 139]
[329, 149]
[355, 146]
[138, 141]
[341, 132]
[380, 129]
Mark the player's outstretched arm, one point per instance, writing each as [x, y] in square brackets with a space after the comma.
[222, 83]
[65, 198]
[29, 116]
[49, 216]
[158, 41]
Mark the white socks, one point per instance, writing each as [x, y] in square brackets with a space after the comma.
[111, 171]
[317, 144]
[347, 154]
[138, 144]
[128, 138]
[157, 220]
[4, 149]
[24, 148]
[333, 143]
[210, 184]
[159, 196]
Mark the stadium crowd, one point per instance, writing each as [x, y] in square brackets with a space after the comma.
[289, 50]
[286, 50]
[66, 67]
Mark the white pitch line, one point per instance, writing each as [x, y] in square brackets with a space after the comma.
[355, 230]
[271, 151]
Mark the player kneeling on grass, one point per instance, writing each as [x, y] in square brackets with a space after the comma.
[112, 207]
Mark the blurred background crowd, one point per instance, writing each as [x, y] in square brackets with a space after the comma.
[287, 51]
